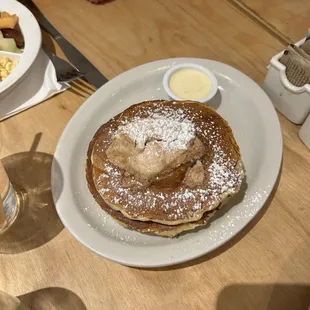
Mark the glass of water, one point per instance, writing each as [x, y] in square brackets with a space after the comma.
[8, 202]
[9, 205]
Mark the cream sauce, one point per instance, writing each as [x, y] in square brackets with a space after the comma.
[190, 83]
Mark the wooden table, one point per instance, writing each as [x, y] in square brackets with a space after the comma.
[286, 20]
[267, 266]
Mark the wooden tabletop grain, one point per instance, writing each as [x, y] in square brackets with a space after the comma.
[267, 266]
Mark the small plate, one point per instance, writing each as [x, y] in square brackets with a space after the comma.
[256, 128]
[32, 36]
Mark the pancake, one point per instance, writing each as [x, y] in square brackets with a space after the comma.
[210, 145]
[140, 226]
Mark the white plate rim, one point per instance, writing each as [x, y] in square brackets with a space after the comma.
[160, 64]
[33, 39]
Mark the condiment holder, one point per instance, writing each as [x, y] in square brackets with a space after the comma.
[304, 132]
[293, 102]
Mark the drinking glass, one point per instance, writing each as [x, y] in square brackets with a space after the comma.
[9, 205]
[8, 202]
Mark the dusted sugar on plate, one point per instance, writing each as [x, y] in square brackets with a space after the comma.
[164, 167]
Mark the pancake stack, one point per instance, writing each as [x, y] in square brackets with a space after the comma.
[164, 167]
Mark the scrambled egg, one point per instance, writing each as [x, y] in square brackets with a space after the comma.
[6, 67]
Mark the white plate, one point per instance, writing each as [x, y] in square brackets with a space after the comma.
[240, 101]
[32, 36]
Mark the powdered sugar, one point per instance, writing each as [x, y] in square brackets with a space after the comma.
[176, 204]
[173, 134]
[174, 127]
[223, 176]
[241, 214]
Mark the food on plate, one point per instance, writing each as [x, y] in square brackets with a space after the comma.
[14, 34]
[8, 44]
[11, 38]
[4, 14]
[164, 167]
[8, 21]
[190, 83]
[6, 67]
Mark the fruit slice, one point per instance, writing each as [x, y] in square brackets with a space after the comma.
[5, 14]
[8, 22]
[9, 45]
[14, 34]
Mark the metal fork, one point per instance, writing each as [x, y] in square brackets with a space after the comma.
[65, 72]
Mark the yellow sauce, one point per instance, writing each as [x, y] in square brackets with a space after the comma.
[190, 83]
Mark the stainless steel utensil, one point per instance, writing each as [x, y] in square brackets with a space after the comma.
[65, 72]
[91, 74]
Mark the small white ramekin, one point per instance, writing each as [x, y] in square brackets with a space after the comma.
[203, 69]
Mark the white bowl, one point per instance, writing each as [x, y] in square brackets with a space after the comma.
[33, 38]
[207, 72]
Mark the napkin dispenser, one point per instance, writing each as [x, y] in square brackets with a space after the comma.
[293, 102]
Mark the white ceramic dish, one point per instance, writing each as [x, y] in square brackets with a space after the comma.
[32, 36]
[240, 101]
[207, 72]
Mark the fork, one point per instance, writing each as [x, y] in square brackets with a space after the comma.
[65, 72]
